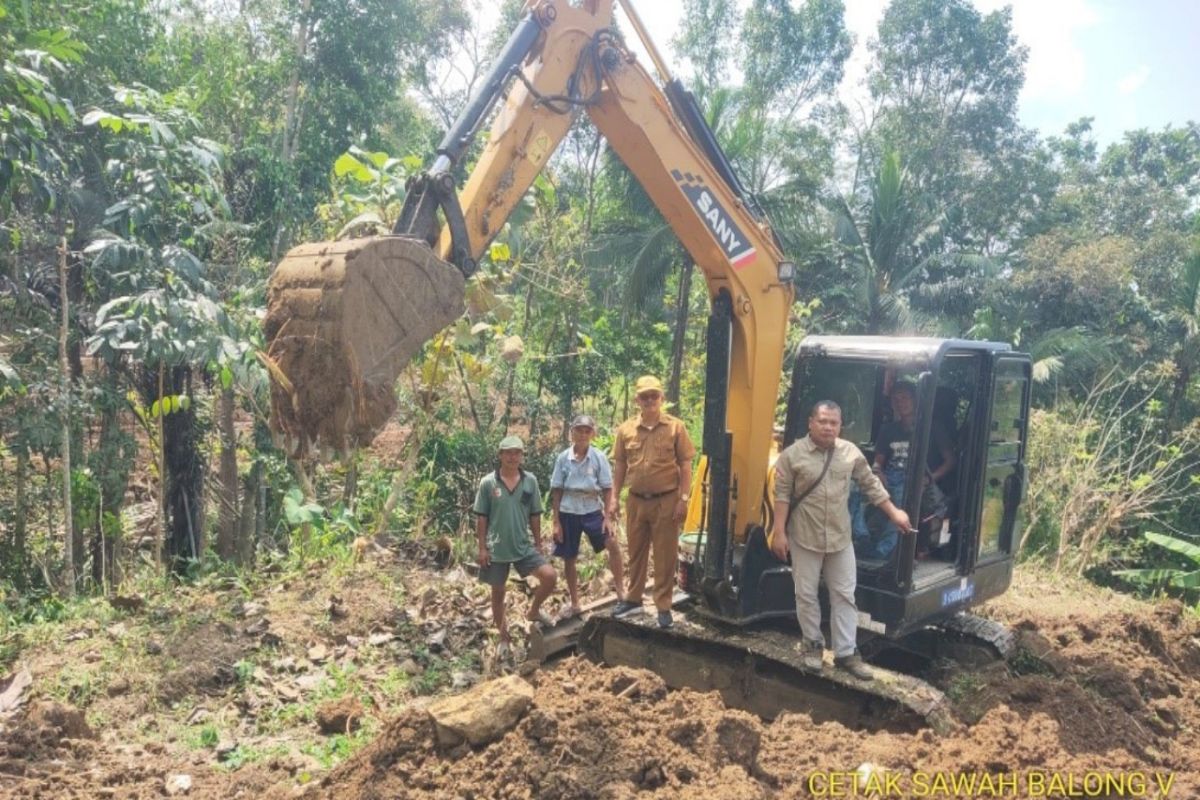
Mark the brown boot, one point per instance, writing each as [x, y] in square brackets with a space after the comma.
[811, 653]
[854, 664]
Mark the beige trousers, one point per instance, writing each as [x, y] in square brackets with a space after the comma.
[650, 526]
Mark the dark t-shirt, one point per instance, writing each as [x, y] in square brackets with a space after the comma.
[894, 445]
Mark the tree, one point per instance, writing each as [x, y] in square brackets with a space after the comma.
[1183, 317]
[948, 78]
[945, 83]
[890, 242]
[158, 309]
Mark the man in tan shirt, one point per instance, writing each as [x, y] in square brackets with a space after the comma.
[819, 468]
[652, 453]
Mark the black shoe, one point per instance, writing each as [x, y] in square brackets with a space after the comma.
[624, 607]
[665, 620]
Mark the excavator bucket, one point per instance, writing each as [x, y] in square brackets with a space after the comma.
[343, 319]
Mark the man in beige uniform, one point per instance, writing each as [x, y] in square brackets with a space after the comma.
[653, 454]
[819, 467]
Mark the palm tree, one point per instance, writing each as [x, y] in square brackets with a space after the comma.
[1052, 352]
[887, 245]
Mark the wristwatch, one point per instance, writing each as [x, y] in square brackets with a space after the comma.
[684, 497]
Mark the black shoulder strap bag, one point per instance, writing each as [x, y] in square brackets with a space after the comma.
[800, 499]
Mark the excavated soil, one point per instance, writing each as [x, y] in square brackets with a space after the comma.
[1101, 698]
[343, 319]
[1094, 703]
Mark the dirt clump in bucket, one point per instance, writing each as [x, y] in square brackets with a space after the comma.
[343, 319]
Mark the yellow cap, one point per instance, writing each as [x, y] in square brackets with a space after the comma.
[647, 383]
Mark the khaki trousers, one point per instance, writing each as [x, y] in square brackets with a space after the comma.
[650, 525]
[841, 578]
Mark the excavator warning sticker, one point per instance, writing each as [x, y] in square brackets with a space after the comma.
[736, 244]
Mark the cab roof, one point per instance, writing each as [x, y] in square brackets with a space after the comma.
[916, 351]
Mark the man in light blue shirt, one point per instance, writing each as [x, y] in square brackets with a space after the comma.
[580, 490]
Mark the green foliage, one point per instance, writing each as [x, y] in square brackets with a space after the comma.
[1187, 578]
[319, 532]
[371, 188]
[30, 110]
[448, 470]
[1098, 471]
[207, 737]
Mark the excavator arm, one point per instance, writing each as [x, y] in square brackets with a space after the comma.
[578, 64]
[344, 317]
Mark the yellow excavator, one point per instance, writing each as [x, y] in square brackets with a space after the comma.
[344, 318]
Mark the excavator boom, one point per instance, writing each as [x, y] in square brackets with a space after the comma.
[560, 62]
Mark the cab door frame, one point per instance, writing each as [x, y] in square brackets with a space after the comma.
[994, 451]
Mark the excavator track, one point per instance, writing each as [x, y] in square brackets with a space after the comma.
[985, 631]
[762, 672]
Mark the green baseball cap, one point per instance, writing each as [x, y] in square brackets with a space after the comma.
[512, 443]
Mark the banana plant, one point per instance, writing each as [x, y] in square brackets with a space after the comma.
[1174, 578]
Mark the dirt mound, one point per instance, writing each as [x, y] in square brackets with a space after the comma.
[207, 655]
[340, 716]
[343, 319]
[1100, 684]
[1090, 695]
[45, 727]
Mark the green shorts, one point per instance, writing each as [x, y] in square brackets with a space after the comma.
[496, 573]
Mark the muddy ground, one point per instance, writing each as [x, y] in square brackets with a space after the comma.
[327, 697]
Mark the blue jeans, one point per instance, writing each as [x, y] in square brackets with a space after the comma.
[880, 543]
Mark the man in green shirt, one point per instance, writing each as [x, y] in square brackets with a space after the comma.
[508, 525]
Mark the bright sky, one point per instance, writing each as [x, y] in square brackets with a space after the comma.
[1128, 64]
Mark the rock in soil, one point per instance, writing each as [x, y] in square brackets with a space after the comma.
[482, 714]
[178, 784]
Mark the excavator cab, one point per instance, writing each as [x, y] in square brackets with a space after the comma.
[970, 412]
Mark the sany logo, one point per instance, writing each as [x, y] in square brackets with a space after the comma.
[735, 243]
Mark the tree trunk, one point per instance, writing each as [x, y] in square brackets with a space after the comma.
[162, 470]
[73, 290]
[22, 516]
[310, 496]
[50, 494]
[71, 553]
[98, 550]
[1183, 376]
[227, 515]
[568, 391]
[541, 384]
[682, 301]
[462, 375]
[291, 124]
[110, 462]
[512, 370]
[247, 539]
[181, 468]
[185, 476]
